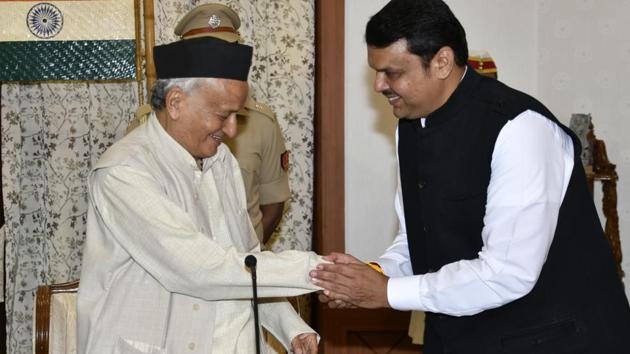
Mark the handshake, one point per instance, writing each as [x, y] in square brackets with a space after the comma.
[349, 283]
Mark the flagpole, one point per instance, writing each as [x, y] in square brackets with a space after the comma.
[149, 42]
[139, 78]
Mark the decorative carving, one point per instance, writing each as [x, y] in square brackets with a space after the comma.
[582, 127]
[603, 171]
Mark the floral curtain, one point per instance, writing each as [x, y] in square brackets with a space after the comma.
[52, 133]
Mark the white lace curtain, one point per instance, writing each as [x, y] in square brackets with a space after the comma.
[53, 133]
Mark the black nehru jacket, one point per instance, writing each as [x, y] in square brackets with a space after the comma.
[578, 301]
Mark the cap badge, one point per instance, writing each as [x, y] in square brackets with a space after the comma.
[214, 21]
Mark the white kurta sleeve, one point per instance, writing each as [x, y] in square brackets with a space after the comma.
[281, 320]
[396, 262]
[161, 238]
[531, 167]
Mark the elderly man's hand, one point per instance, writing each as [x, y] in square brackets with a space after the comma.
[305, 343]
[350, 282]
[334, 304]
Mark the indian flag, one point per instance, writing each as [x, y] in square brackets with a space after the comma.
[67, 40]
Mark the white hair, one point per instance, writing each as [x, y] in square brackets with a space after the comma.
[163, 86]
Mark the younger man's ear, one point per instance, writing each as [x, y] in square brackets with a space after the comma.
[443, 62]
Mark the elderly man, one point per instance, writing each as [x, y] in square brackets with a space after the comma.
[259, 147]
[168, 228]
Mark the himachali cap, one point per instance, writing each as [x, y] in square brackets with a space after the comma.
[482, 62]
[203, 57]
[210, 20]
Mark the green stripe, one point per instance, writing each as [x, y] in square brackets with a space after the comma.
[67, 60]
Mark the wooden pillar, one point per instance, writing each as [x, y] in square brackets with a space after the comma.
[139, 54]
[329, 127]
[329, 199]
[149, 42]
[342, 331]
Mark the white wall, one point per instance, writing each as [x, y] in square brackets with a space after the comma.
[507, 30]
[572, 55]
[370, 155]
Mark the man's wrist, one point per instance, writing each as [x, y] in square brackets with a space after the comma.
[376, 267]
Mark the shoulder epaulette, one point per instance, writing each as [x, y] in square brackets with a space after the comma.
[142, 115]
[252, 105]
[142, 112]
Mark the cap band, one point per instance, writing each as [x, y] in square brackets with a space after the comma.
[482, 65]
[196, 31]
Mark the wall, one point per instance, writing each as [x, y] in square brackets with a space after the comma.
[572, 55]
[370, 156]
[583, 67]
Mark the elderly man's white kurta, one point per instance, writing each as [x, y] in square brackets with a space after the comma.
[163, 264]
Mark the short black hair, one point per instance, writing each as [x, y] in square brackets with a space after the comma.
[426, 25]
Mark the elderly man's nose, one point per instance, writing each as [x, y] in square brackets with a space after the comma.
[230, 127]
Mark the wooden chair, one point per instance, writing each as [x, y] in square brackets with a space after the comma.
[599, 169]
[55, 306]
[604, 172]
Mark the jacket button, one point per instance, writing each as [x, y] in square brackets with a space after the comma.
[421, 184]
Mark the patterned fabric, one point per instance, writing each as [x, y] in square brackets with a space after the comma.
[53, 133]
[51, 136]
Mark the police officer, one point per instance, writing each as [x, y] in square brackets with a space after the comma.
[259, 145]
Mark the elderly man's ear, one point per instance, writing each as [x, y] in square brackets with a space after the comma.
[174, 101]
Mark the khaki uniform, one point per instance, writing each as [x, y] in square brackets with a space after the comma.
[142, 115]
[261, 153]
